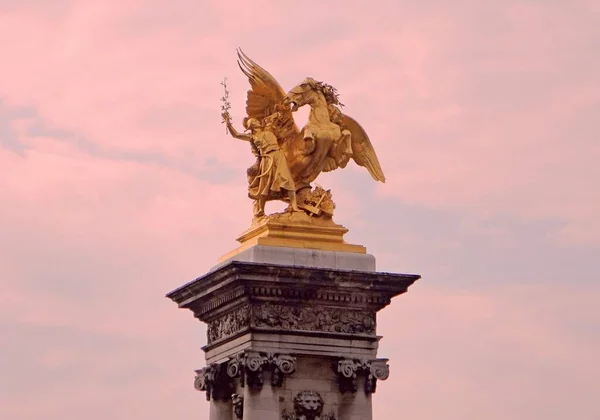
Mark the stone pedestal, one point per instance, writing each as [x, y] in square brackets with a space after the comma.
[291, 341]
[296, 230]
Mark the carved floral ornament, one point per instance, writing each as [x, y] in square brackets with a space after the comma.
[217, 379]
[310, 318]
[348, 369]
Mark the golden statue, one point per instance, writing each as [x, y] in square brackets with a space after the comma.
[290, 159]
[273, 176]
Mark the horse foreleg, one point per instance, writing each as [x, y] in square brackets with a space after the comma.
[309, 141]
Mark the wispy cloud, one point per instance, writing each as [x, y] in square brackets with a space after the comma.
[120, 184]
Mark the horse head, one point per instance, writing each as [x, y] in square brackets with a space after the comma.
[307, 92]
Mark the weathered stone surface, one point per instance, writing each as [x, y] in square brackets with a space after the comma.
[308, 405]
[231, 286]
[228, 324]
[303, 258]
[296, 343]
[291, 318]
[277, 331]
[313, 318]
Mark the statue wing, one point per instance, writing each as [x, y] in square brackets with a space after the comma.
[266, 97]
[362, 149]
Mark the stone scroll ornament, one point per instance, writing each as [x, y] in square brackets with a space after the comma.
[376, 370]
[289, 159]
[308, 405]
[215, 381]
[348, 369]
[249, 367]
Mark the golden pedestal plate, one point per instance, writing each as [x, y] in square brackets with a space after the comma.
[295, 230]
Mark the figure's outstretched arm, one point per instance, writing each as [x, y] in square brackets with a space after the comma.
[234, 133]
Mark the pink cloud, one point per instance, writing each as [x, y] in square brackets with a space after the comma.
[127, 187]
[477, 349]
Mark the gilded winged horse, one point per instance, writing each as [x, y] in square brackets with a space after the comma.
[328, 140]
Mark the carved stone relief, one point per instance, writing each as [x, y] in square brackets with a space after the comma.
[308, 405]
[347, 370]
[228, 324]
[249, 366]
[238, 406]
[215, 381]
[314, 318]
[310, 318]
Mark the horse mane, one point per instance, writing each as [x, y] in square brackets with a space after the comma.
[329, 92]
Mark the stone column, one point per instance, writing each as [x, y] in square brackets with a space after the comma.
[220, 410]
[291, 342]
[219, 390]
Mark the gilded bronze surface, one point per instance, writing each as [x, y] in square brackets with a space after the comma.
[289, 159]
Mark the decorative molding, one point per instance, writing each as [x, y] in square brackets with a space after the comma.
[308, 405]
[294, 318]
[313, 318]
[201, 312]
[228, 324]
[347, 370]
[311, 294]
[217, 302]
[237, 280]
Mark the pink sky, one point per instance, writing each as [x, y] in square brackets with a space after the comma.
[120, 185]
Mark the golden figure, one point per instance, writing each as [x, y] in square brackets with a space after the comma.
[273, 177]
[290, 159]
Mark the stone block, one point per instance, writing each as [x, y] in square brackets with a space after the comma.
[302, 257]
[318, 385]
[332, 398]
[314, 368]
[269, 306]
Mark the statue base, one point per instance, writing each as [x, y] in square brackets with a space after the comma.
[291, 342]
[295, 230]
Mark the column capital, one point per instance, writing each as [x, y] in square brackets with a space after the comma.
[347, 371]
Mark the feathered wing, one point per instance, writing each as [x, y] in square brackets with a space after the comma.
[362, 149]
[266, 97]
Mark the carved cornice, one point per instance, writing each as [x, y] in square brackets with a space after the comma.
[218, 302]
[229, 324]
[348, 369]
[257, 281]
